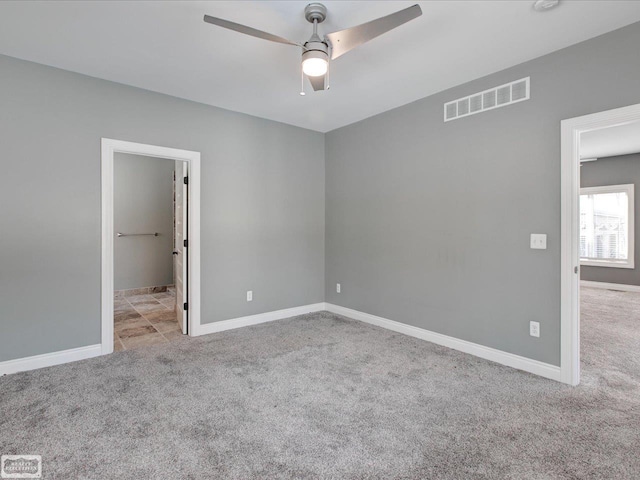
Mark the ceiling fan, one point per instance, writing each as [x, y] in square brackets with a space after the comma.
[317, 51]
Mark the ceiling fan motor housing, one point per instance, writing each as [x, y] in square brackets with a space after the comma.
[317, 49]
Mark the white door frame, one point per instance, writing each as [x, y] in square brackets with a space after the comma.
[571, 129]
[109, 148]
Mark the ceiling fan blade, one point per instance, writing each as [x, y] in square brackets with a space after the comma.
[317, 82]
[350, 38]
[248, 30]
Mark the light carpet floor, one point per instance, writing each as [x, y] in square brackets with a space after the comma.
[322, 396]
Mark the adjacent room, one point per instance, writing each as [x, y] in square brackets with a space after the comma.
[337, 240]
[610, 281]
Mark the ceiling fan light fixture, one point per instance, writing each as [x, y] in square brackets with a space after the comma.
[315, 63]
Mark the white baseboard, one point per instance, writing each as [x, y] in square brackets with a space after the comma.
[610, 286]
[509, 359]
[215, 327]
[528, 365]
[49, 359]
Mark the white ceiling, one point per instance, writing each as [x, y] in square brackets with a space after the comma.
[166, 47]
[610, 142]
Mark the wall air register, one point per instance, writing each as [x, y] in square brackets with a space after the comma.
[496, 97]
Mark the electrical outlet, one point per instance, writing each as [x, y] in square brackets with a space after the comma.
[337, 288]
[534, 329]
[249, 295]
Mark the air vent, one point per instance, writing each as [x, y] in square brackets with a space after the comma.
[501, 96]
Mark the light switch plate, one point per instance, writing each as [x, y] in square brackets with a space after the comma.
[539, 241]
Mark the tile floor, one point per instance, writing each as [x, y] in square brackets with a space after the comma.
[142, 320]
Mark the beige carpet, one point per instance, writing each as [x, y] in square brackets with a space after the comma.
[321, 396]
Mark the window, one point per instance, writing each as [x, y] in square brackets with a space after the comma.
[606, 226]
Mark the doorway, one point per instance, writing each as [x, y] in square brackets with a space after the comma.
[150, 260]
[147, 299]
[574, 243]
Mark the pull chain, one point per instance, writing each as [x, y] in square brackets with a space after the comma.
[302, 83]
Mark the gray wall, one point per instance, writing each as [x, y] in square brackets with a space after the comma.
[262, 203]
[143, 203]
[428, 222]
[614, 171]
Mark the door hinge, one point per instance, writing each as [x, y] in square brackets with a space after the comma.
[186, 306]
[186, 180]
[575, 269]
[186, 243]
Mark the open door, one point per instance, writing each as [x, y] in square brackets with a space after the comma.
[181, 263]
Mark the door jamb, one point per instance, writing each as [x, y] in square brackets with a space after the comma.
[571, 129]
[109, 148]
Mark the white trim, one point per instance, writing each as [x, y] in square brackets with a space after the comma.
[610, 286]
[526, 364]
[221, 326]
[509, 359]
[571, 129]
[49, 359]
[611, 263]
[109, 148]
[627, 188]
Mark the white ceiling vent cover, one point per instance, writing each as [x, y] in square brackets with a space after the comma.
[501, 96]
